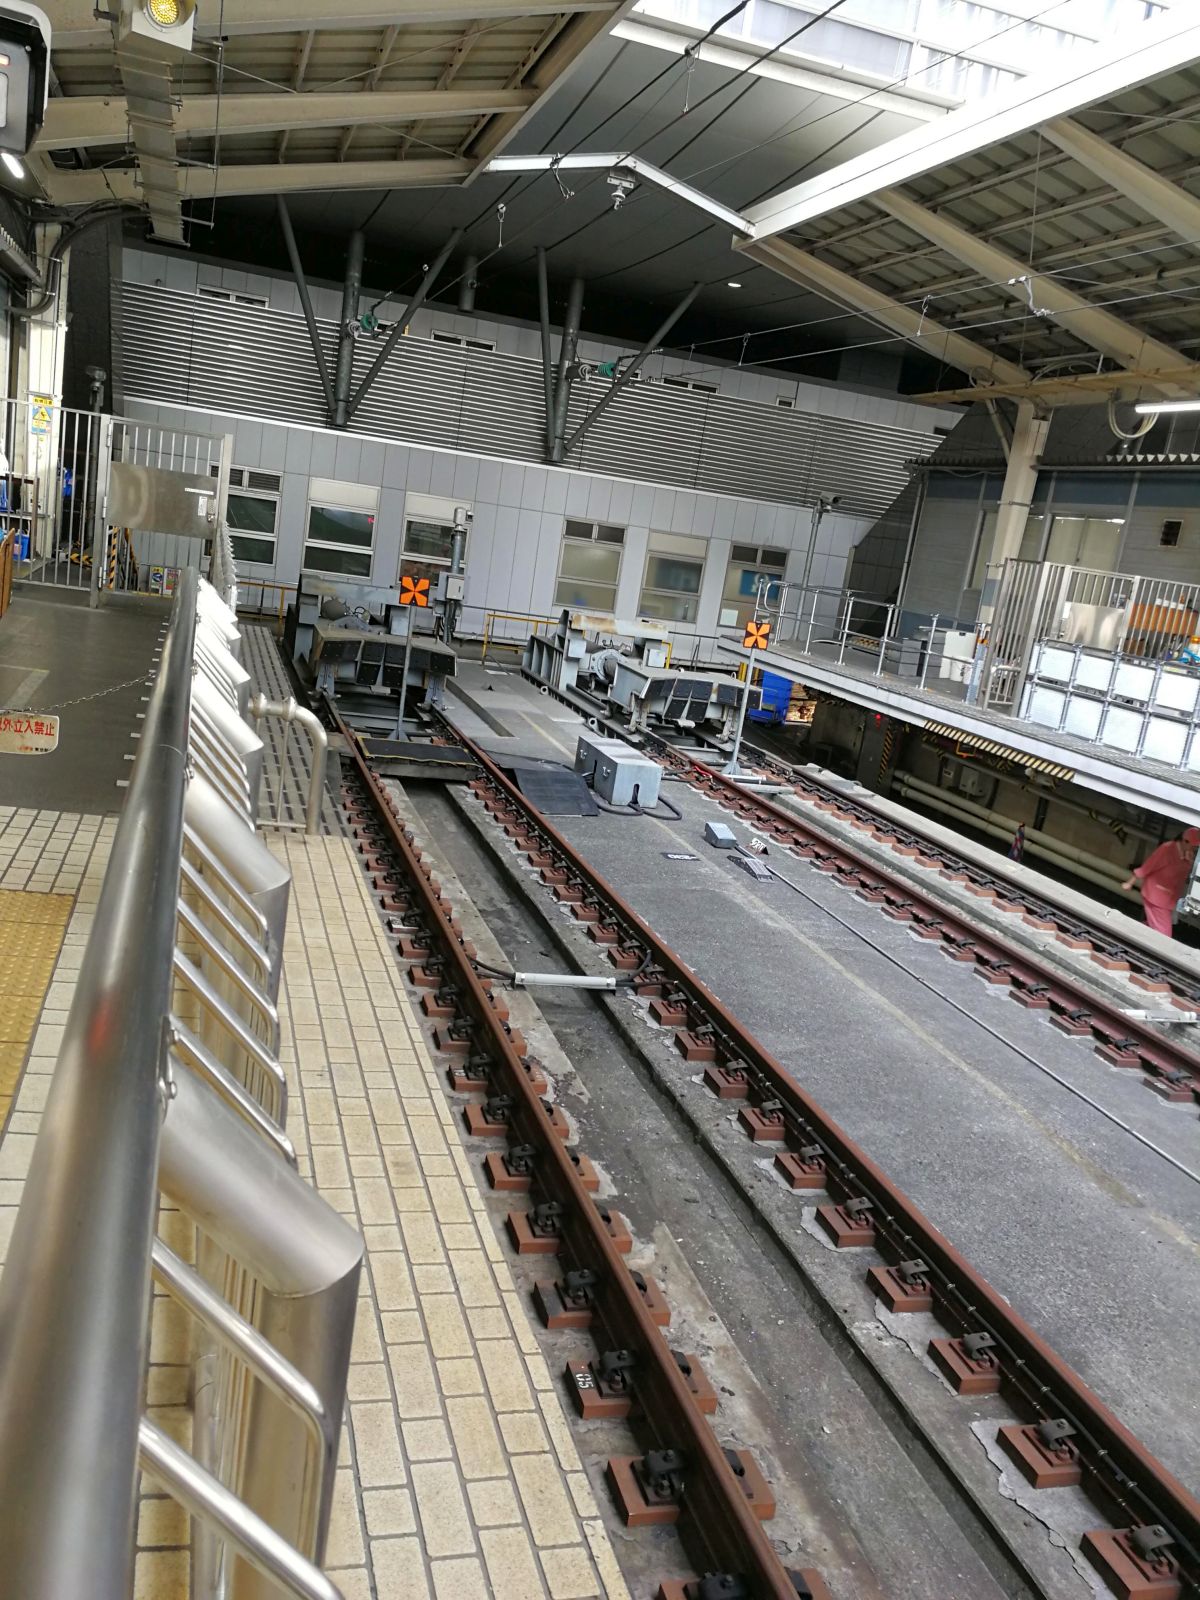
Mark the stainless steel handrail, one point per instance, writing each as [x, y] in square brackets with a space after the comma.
[73, 1296]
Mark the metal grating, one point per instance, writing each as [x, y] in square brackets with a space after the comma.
[183, 350]
[556, 791]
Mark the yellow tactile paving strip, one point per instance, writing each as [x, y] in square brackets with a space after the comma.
[31, 934]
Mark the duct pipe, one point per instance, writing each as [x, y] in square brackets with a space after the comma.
[289, 239]
[1083, 863]
[566, 360]
[630, 372]
[351, 291]
[467, 284]
[544, 324]
[402, 322]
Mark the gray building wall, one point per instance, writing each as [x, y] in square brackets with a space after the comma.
[519, 511]
[955, 506]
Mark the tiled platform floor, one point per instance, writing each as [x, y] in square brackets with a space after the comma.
[461, 1479]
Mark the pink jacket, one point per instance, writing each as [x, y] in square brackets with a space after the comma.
[1164, 874]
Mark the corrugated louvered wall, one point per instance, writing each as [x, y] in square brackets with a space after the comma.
[193, 351]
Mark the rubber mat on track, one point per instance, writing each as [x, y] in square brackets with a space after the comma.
[556, 792]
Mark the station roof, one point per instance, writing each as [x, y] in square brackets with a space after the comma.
[1038, 239]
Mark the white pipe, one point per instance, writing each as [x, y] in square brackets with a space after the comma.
[289, 711]
[566, 980]
[1069, 857]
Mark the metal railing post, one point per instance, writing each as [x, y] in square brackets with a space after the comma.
[929, 650]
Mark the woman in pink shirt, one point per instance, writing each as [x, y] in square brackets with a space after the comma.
[1163, 877]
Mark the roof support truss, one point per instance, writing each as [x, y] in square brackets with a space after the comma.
[293, 177]
[80, 121]
[1157, 196]
[1156, 48]
[1046, 296]
[909, 322]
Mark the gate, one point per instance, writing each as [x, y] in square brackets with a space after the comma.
[97, 502]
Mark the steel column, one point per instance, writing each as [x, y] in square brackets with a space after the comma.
[547, 360]
[402, 322]
[289, 239]
[351, 290]
[652, 344]
[1016, 498]
[567, 349]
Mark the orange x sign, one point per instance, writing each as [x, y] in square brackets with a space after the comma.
[414, 591]
[757, 634]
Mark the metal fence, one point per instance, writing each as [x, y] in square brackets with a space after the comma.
[56, 486]
[1116, 613]
[168, 1083]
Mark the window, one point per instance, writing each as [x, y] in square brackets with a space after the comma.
[209, 291]
[252, 514]
[589, 565]
[690, 383]
[749, 566]
[671, 582]
[428, 536]
[442, 336]
[340, 535]
[784, 403]
[1085, 541]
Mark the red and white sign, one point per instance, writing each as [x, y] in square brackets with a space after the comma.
[27, 733]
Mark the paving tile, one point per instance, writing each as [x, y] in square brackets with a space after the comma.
[417, 1393]
[426, 1440]
[399, 1569]
[377, 1445]
[547, 1504]
[447, 1328]
[480, 1452]
[504, 1377]
[445, 1522]
[460, 1580]
[570, 1574]
[389, 1511]
[511, 1565]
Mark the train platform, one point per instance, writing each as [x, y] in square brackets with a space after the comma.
[897, 1042]
[1135, 780]
[458, 1477]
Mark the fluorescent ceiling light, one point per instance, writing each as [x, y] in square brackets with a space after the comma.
[625, 163]
[12, 165]
[733, 284]
[1155, 408]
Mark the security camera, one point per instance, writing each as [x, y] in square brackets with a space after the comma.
[463, 514]
[24, 74]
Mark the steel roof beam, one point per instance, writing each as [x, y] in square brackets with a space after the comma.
[909, 322]
[1045, 296]
[82, 121]
[293, 177]
[1097, 74]
[1149, 191]
[75, 27]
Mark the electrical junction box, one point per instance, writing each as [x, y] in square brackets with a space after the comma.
[450, 585]
[719, 836]
[617, 770]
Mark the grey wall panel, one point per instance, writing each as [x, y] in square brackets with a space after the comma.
[184, 349]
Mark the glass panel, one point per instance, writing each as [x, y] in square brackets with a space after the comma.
[593, 596]
[776, 559]
[261, 551]
[577, 530]
[668, 607]
[745, 553]
[331, 525]
[606, 534]
[594, 562]
[672, 572]
[429, 539]
[353, 563]
[249, 512]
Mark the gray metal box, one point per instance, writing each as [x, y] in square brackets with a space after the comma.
[617, 770]
[716, 833]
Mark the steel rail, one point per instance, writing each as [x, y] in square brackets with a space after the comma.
[1119, 1468]
[716, 1523]
[1182, 983]
[1064, 992]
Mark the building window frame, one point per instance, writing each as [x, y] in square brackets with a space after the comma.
[672, 602]
[579, 534]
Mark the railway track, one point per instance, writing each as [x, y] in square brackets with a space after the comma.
[1146, 1543]
[1169, 1067]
